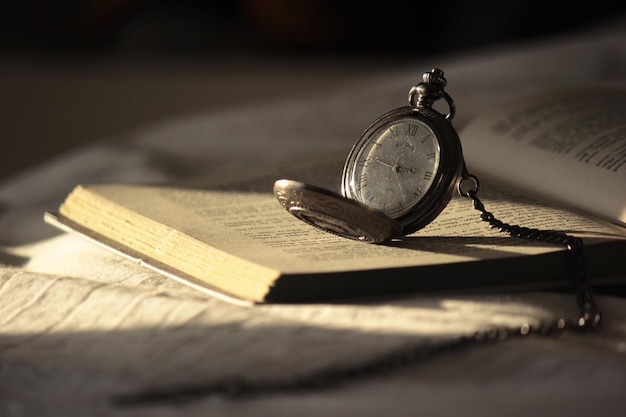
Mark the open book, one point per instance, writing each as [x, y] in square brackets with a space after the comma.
[230, 236]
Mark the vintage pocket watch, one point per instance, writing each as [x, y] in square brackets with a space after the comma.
[401, 174]
[398, 177]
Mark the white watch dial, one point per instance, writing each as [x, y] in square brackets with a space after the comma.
[396, 166]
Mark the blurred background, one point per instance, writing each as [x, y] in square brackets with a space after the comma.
[75, 71]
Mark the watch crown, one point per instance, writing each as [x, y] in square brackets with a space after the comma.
[435, 76]
[431, 89]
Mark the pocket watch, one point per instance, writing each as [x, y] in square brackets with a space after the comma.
[401, 174]
[398, 177]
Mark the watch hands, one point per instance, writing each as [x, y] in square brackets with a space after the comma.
[395, 167]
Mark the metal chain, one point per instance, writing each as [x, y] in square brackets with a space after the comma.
[589, 317]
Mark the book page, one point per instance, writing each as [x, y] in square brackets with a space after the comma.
[241, 217]
[567, 146]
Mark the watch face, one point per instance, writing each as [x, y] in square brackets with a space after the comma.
[396, 167]
[405, 165]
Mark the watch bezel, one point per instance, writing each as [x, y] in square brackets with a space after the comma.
[446, 176]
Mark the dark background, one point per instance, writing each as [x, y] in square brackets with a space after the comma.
[277, 26]
[75, 71]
